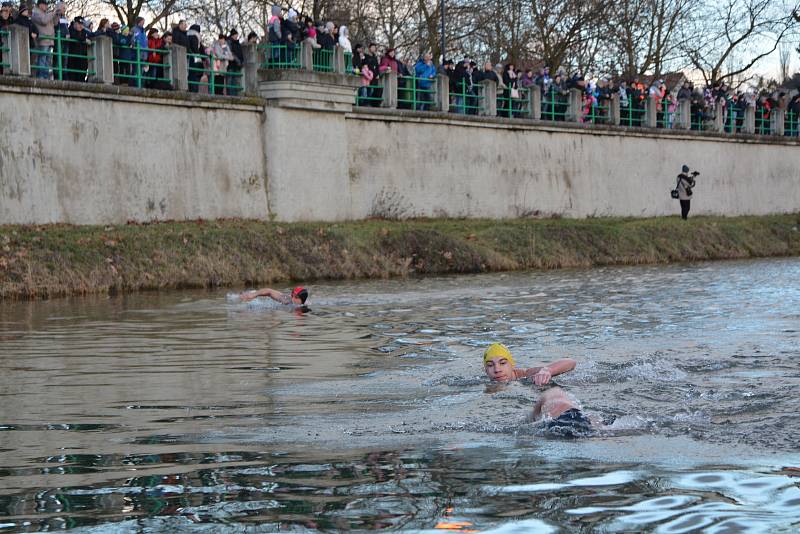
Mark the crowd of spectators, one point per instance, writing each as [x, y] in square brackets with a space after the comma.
[223, 59]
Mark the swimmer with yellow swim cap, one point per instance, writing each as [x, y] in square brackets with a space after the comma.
[561, 413]
[499, 366]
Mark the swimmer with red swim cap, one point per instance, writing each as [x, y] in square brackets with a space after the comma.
[297, 297]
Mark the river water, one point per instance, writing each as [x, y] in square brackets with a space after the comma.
[191, 411]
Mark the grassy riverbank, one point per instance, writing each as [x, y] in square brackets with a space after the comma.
[58, 260]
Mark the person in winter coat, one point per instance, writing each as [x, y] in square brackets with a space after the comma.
[366, 80]
[425, 72]
[235, 66]
[220, 57]
[5, 23]
[310, 33]
[139, 46]
[45, 22]
[389, 62]
[358, 58]
[344, 40]
[155, 69]
[291, 35]
[510, 94]
[275, 35]
[180, 35]
[194, 58]
[685, 184]
[23, 19]
[325, 39]
[78, 62]
[371, 60]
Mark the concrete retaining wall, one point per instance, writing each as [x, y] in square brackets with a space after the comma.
[93, 157]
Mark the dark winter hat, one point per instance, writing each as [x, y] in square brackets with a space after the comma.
[115, 24]
[195, 27]
[78, 20]
[685, 168]
[233, 32]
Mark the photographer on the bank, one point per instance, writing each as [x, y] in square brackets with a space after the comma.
[683, 190]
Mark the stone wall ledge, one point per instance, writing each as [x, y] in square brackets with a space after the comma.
[434, 117]
[124, 93]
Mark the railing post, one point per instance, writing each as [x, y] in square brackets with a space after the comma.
[684, 121]
[776, 118]
[719, 117]
[489, 107]
[20, 53]
[103, 63]
[575, 107]
[443, 92]
[250, 68]
[306, 56]
[389, 90]
[535, 96]
[749, 126]
[178, 68]
[338, 60]
[650, 112]
[614, 111]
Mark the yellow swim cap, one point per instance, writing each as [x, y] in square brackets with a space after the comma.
[497, 350]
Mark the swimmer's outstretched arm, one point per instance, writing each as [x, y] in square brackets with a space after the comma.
[542, 375]
[266, 292]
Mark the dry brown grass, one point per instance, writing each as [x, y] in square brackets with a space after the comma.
[58, 260]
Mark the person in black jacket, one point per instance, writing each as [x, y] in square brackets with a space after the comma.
[371, 60]
[23, 19]
[78, 62]
[180, 35]
[325, 37]
[234, 81]
[194, 59]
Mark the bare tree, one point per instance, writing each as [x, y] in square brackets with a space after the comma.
[560, 27]
[750, 29]
[785, 58]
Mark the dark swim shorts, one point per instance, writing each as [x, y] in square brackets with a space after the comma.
[570, 424]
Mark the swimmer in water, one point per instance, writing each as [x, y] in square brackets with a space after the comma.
[297, 297]
[563, 414]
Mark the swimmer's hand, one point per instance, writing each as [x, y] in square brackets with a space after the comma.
[541, 376]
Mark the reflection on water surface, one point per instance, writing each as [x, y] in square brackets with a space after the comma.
[185, 410]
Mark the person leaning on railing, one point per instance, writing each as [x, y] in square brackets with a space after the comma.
[78, 61]
[220, 57]
[235, 65]
[5, 24]
[45, 22]
[195, 59]
[425, 72]
[23, 19]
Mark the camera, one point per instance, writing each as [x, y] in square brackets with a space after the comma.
[695, 173]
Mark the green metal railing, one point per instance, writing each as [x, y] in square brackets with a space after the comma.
[416, 93]
[280, 56]
[599, 113]
[791, 127]
[511, 107]
[554, 106]
[632, 116]
[763, 121]
[138, 72]
[230, 83]
[5, 50]
[348, 63]
[371, 95]
[464, 101]
[63, 58]
[322, 60]
[734, 119]
[665, 118]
